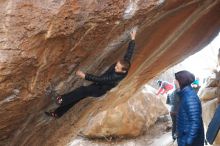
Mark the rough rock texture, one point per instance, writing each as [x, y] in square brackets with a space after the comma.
[208, 112]
[211, 82]
[43, 42]
[208, 93]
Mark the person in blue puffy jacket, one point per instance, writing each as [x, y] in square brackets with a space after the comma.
[190, 129]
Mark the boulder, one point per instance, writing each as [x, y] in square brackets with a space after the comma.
[128, 119]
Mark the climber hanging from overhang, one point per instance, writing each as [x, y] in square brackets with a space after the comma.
[101, 84]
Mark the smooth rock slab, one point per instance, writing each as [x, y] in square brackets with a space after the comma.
[128, 119]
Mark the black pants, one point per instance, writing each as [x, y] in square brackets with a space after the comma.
[70, 99]
[173, 118]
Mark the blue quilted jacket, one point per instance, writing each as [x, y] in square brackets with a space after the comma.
[189, 119]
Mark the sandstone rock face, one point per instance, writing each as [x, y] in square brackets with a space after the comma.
[212, 82]
[212, 89]
[43, 42]
[208, 93]
[128, 119]
[208, 112]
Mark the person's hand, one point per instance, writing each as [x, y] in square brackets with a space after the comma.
[194, 85]
[133, 34]
[80, 74]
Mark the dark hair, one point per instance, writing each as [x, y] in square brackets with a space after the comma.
[159, 82]
[184, 78]
[125, 65]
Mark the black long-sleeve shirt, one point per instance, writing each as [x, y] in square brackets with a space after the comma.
[110, 78]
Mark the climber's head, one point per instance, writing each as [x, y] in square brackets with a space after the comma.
[122, 66]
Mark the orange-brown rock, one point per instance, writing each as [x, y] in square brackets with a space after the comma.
[42, 43]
